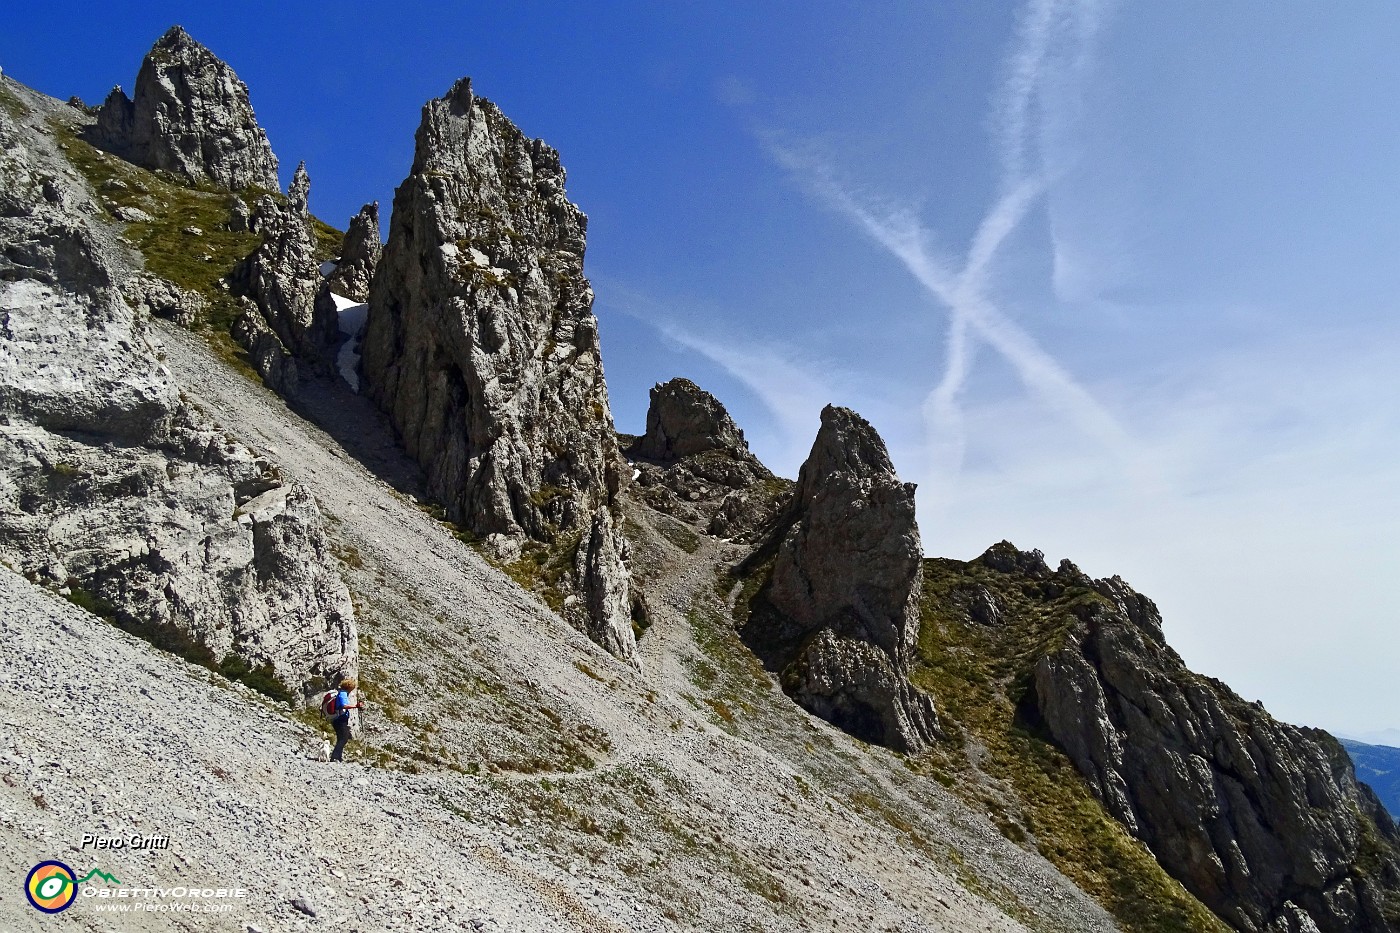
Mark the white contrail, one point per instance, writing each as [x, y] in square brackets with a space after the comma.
[964, 292]
[780, 380]
[1034, 30]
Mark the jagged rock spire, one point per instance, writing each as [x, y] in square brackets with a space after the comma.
[840, 614]
[360, 253]
[284, 326]
[191, 116]
[482, 346]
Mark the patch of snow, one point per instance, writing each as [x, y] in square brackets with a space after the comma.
[636, 473]
[352, 316]
[448, 250]
[328, 267]
[478, 257]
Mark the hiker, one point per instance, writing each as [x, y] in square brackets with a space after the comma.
[341, 717]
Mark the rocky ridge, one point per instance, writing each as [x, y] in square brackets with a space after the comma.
[1264, 822]
[694, 465]
[482, 347]
[1194, 809]
[837, 615]
[190, 116]
[115, 490]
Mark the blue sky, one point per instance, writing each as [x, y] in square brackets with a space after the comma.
[1176, 359]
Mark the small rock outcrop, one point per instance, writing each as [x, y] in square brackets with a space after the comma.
[482, 347]
[694, 465]
[1263, 822]
[683, 420]
[190, 116]
[839, 615]
[158, 297]
[359, 255]
[287, 323]
[112, 490]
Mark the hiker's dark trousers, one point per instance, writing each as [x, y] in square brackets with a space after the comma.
[342, 735]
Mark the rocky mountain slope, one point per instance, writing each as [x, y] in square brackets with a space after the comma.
[118, 491]
[603, 695]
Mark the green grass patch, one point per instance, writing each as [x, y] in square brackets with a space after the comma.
[262, 678]
[176, 641]
[679, 534]
[979, 674]
[546, 568]
[199, 263]
[12, 104]
[328, 239]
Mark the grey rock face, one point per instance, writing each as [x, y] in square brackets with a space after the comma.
[683, 419]
[482, 347]
[190, 116]
[839, 615]
[359, 255]
[288, 318]
[1265, 823]
[153, 295]
[694, 464]
[110, 485]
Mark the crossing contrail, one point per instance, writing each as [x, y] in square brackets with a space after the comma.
[1043, 27]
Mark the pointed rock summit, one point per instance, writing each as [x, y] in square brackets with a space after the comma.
[683, 420]
[482, 347]
[190, 116]
[360, 253]
[839, 616]
[694, 465]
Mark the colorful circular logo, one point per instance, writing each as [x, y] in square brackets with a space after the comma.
[51, 887]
